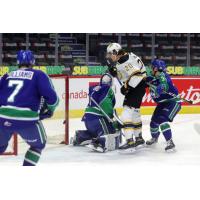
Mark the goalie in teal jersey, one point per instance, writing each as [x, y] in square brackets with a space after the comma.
[101, 133]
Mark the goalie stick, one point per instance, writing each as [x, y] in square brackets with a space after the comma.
[108, 118]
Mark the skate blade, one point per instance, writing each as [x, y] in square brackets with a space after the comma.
[141, 146]
[127, 151]
[98, 149]
[151, 146]
[171, 150]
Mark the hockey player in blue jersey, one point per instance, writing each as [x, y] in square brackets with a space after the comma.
[21, 94]
[168, 106]
[101, 134]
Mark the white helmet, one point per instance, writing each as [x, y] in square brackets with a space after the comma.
[113, 48]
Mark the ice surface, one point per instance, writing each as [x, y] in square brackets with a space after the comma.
[187, 142]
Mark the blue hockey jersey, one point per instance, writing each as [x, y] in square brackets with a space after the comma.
[21, 92]
[104, 96]
[163, 79]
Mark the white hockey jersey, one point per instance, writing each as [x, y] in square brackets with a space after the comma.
[132, 71]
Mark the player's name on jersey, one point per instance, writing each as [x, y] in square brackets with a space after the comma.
[50, 70]
[21, 74]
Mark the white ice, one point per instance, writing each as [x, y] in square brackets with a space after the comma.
[187, 142]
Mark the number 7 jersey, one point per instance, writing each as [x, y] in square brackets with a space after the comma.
[21, 92]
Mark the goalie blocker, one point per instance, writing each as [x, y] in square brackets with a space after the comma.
[102, 133]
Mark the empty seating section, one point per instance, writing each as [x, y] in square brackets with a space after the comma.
[70, 52]
[171, 47]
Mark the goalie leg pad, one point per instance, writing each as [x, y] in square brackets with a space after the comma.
[112, 141]
[99, 126]
[82, 137]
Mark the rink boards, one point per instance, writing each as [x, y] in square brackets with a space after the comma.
[73, 94]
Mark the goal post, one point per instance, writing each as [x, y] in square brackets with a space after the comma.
[12, 146]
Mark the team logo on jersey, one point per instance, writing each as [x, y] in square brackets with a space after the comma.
[6, 123]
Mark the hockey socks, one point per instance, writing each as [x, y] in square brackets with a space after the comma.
[32, 157]
[166, 130]
[154, 129]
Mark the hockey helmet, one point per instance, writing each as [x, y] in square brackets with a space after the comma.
[158, 65]
[113, 48]
[25, 57]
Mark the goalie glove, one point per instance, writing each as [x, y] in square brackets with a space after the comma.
[117, 126]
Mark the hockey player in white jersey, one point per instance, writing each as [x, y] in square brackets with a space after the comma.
[130, 71]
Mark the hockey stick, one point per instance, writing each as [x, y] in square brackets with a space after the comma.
[118, 81]
[108, 118]
[196, 101]
[178, 96]
[121, 123]
[98, 106]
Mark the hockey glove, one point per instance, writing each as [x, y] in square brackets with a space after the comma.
[45, 112]
[124, 90]
[111, 68]
[113, 71]
[117, 125]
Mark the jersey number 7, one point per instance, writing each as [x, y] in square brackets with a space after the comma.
[18, 86]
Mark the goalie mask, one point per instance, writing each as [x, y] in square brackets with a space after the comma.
[106, 79]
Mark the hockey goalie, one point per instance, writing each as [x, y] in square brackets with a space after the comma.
[130, 72]
[102, 132]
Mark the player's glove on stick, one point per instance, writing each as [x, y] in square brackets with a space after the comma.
[124, 90]
[45, 112]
